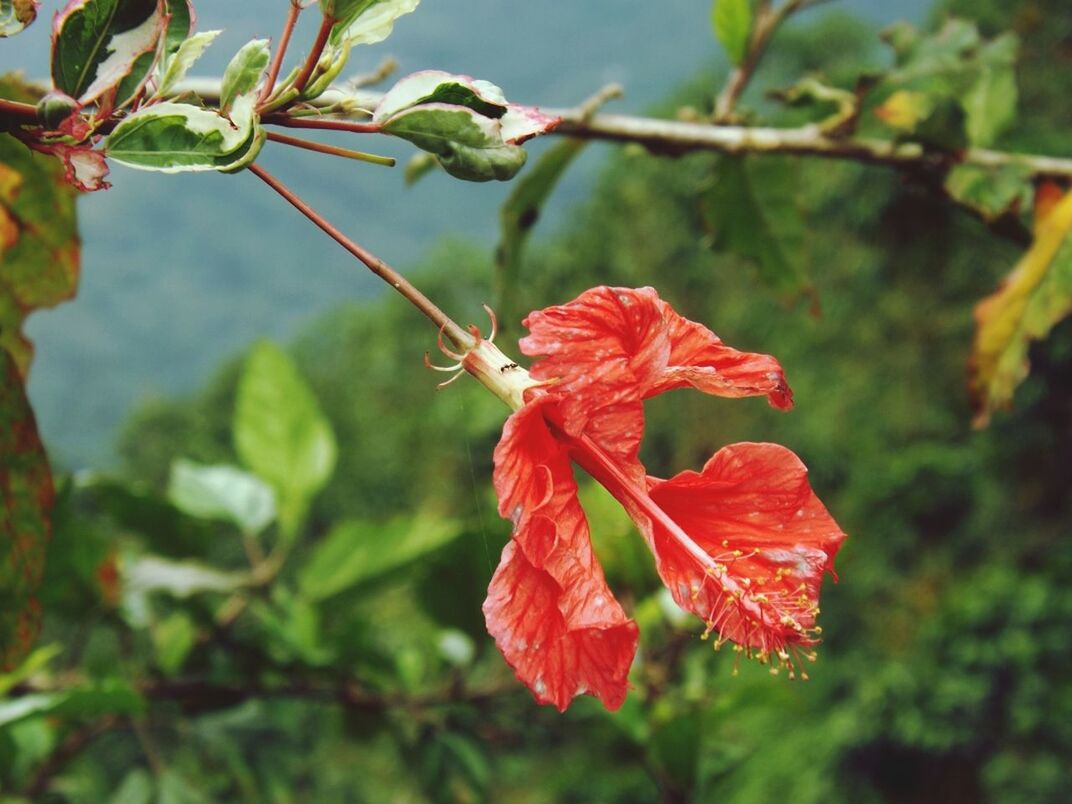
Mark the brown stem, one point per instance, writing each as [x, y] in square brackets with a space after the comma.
[67, 750]
[676, 137]
[348, 693]
[25, 111]
[327, 125]
[314, 54]
[332, 150]
[281, 50]
[767, 22]
[458, 336]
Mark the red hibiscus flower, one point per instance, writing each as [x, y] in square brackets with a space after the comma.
[742, 544]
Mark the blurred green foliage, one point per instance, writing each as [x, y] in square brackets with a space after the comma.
[313, 676]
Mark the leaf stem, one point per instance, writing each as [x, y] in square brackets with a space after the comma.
[319, 147]
[458, 336]
[281, 50]
[288, 121]
[314, 54]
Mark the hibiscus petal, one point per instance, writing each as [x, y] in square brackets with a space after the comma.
[743, 544]
[612, 345]
[549, 607]
[699, 358]
[754, 513]
[605, 347]
[550, 655]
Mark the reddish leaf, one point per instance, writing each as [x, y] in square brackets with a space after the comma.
[25, 500]
[38, 268]
[549, 608]
[39, 249]
[83, 168]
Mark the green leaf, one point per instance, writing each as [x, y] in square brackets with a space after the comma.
[955, 67]
[34, 663]
[16, 16]
[175, 788]
[136, 788]
[185, 55]
[335, 58]
[96, 44]
[357, 552]
[364, 22]
[39, 246]
[180, 24]
[436, 86]
[221, 492]
[180, 579]
[26, 496]
[294, 628]
[178, 137]
[732, 22]
[751, 209]
[244, 72]
[281, 434]
[522, 208]
[990, 103]
[467, 145]
[1035, 296]
[419, 166]
[107, 698]
[992, 192]
[438, 89]
[173, 638]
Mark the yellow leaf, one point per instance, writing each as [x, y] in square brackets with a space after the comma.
[1033, 298]
[904, 109]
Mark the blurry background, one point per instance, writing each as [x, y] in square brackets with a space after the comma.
[943, 676]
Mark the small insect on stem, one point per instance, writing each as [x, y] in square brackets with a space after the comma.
[508, 367]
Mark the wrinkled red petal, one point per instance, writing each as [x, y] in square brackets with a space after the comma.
[743, 544]
[612, 345]
[771, 540]
[549, 608]
[699, 358]
[605, 347]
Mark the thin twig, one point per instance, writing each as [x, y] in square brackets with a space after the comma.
[458, 336]
[203, 693]
[327, 125]
[767, 21]
[332, 150]
[381, 73]
[587, 109]
[314, 54]
[281, 50]
[73, 744]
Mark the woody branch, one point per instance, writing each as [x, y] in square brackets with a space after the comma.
[675, 137]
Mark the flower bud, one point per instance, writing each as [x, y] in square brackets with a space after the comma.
[55, 107]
